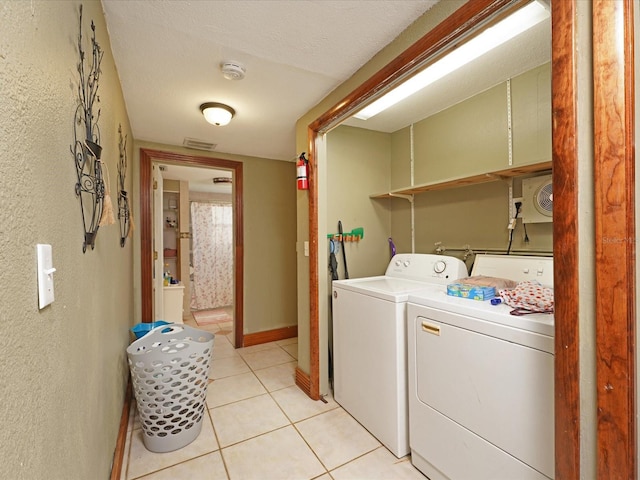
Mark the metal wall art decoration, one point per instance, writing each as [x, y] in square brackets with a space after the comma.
[123, 200]
[86, 149]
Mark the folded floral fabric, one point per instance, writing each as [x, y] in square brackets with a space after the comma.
[528, 297]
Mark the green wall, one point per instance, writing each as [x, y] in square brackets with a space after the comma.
[269, 244]
[465, 139]
[63, 369]
[358, 164]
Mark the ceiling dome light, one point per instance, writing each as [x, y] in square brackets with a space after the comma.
[217, 113]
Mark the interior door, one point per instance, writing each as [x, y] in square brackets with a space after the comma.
[158, 247]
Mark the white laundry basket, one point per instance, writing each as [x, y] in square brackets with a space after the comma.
[170, 372]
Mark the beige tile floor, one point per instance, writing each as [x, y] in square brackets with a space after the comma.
[260, 425]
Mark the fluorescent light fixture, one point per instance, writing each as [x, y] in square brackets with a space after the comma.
[496, 35]
[217, 113]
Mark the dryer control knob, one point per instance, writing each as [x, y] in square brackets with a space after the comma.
[440, 266]
[398, 263]
[406, 263]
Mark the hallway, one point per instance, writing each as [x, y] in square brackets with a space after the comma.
[260, 425]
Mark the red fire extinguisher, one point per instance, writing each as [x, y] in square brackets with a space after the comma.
[302, 169]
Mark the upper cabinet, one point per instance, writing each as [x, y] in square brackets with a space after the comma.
[502, 132]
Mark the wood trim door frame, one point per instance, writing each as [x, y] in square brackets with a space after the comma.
[564, 102]
[147, 156]
[614, 175]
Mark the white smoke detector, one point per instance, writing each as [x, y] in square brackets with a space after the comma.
[232, 70]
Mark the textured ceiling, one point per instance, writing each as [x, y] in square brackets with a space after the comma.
[168, 55]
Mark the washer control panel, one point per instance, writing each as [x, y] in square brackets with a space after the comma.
[441, 269]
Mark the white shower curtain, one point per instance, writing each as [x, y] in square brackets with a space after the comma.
[212, 250]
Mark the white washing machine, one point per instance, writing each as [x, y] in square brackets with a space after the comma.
[370, 342]
[481, 381]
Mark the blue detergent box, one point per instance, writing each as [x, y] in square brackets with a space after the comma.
[473, 292]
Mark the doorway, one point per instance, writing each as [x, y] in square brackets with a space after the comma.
[147, 159]
[196, 220]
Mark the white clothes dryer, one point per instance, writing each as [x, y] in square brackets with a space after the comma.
[370, 342]
[481, 381]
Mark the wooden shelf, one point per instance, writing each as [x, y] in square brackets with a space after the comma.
[471, 180]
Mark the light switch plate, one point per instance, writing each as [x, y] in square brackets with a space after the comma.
[45, 275]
